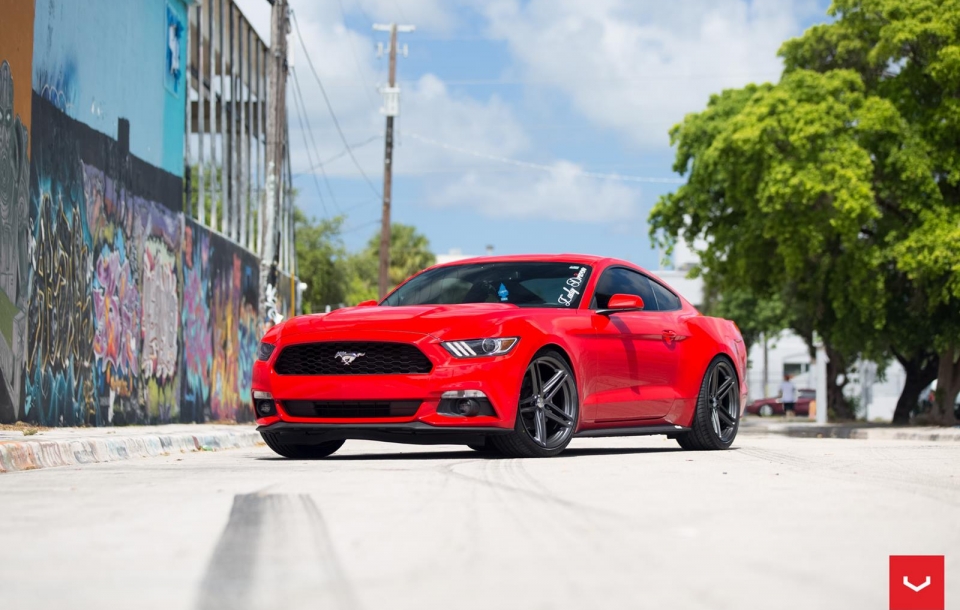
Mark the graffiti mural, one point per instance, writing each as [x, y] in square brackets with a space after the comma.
[60, 380]
[197, 326]
[114, 309]
[104, 315]
[220, 326]
[14, 242]
[158, 232]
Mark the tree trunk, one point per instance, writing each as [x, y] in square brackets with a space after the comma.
[948, 386]
[836, 401]
[921, 370]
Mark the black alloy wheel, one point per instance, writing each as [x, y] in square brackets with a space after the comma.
[717, 418]
[548, 409]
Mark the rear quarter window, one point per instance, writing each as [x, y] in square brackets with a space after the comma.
[666, 300]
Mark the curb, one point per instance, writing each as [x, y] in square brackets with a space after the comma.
[16, 456]
[857, 432]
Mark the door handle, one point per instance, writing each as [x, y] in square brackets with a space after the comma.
[671, 335]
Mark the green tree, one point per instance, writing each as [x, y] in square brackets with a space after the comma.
[754, 315]
[322, 261]
[409, 253]
[786, 185]
[908, 53]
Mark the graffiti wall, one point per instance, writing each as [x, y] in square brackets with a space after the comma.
[16, 52]
[220, 326]
[114, 308]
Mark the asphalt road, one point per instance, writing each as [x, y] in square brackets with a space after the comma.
[614, 523]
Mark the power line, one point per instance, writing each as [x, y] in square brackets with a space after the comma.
[333, 115]
[365, 15]
[399, 10]
[366, 86]
[540, 166]
[299, 95]
[344, 151]
[306, 145]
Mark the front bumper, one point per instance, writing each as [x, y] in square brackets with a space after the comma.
[417, 433]
[498, 378]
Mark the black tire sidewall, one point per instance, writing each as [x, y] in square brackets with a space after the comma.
[519, 443]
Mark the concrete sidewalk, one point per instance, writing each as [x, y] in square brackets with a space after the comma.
[71, 446]
[803, 429]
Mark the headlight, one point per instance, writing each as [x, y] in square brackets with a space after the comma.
[264, 351]
[478, 348]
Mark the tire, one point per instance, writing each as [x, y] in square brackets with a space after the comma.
[765, 411]
[300, 452]
[547, 412]
[717, 417]
[485, 449]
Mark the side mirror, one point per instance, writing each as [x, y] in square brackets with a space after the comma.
[370, 303]
[622, 302]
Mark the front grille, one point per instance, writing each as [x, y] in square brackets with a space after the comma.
[365, 358]
[351, 409]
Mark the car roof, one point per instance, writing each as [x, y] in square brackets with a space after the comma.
[583, 259]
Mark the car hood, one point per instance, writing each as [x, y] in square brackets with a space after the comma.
[471, 320]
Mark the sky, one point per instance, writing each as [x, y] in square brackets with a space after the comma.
[535, 126]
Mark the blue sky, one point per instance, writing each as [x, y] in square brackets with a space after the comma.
[574, 85]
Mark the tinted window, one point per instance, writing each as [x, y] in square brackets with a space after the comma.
[623, 281]
[527, 284]
[666, 300]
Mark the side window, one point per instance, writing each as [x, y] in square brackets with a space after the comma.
[623, 281]
[666, 300]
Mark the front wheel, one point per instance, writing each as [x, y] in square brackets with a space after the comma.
[300, 452]
[717, 418]
[548, 409]
[766, 411]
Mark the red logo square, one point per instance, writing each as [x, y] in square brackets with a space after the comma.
[916, 582]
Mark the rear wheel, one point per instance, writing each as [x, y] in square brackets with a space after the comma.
[717, 418]
[300, 452]
[548, 410]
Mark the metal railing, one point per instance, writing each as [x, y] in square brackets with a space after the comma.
[226, 130]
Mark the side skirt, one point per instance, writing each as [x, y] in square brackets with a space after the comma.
[669, 430]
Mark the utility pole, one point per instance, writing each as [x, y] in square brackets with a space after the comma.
[391, 108]
[276, 127]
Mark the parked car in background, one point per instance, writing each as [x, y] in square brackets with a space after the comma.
[765, 407]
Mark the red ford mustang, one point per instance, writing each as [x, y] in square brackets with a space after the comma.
[515, 355]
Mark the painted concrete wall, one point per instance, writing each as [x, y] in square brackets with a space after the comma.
[102, 60]
[114, 307]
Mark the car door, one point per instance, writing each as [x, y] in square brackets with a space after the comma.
[634, 353]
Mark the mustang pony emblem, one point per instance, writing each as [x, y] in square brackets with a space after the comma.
[348, 357]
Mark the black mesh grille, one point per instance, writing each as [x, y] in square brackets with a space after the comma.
[365, 358]
[351, 409]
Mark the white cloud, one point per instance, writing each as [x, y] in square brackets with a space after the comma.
[638, 67]
[562, 194]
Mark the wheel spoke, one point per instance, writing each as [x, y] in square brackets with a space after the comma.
[725, 416]
[716, 421]
[528, 399]
[714, 379]
[553, 385]
[537, 386]
[557, 414]
[724, 388]
[540, 422]
[529, 409]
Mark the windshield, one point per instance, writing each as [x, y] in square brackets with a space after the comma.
[526, 284]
